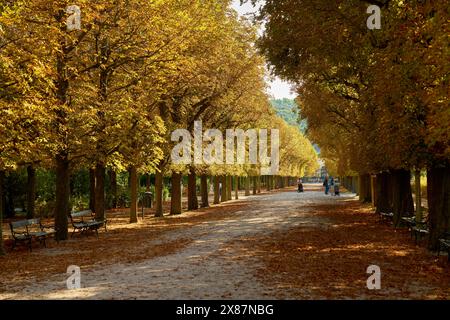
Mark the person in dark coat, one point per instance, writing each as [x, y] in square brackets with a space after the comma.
[300, 185]
[326, 185]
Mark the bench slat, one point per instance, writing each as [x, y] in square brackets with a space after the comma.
[19, 224]
[80, 214]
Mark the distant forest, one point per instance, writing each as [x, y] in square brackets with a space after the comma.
[288, 110]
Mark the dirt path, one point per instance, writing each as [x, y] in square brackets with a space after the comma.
[216, 263]
[202, 269]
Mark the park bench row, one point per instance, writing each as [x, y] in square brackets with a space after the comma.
[419, 230]
[85, 221]
[25, 231]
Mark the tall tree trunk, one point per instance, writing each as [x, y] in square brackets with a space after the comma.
[100, 191]
[92, 189]
[259, 183]
[403, 204]
[255, 186]
[159, 213]
[229, 188]
[373, 183]
[216, 190]
[113, 187]
[382, 190]
[192, 191]
[418, 193]
[353, 185]
[236, 188]
[438, 190]
[10, 193]
[391, 191]
[247, 186]
[204, 190]
[31, 191]
[223, 191]
[133, 194]
[62, 84]
[2, 209]
[365, 191]
[2, 192]
[175, 199]
[62, 196]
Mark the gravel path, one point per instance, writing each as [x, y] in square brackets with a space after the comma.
[205, 269]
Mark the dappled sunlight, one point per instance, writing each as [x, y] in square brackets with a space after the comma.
[331, 262]
[274, 245]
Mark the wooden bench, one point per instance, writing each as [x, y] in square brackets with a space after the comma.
[411, 224]
[84, 221]
[26, 230]
[409, 221]
[386, 216]
[420, 230]
[444, 244]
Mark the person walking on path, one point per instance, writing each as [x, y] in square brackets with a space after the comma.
[337, 192]
[326, 185]
[300, 185]
[331, 185]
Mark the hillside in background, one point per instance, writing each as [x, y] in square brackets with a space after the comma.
[288, 110]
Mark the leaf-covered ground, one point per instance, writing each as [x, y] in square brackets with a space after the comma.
[122, 243]
[329, 261]
[276, 245]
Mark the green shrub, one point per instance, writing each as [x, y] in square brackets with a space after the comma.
[79, 202]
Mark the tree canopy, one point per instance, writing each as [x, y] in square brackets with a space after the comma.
[375, 100]
[107, 96]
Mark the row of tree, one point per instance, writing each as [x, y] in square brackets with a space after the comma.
[108, 96]
[376, 101]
